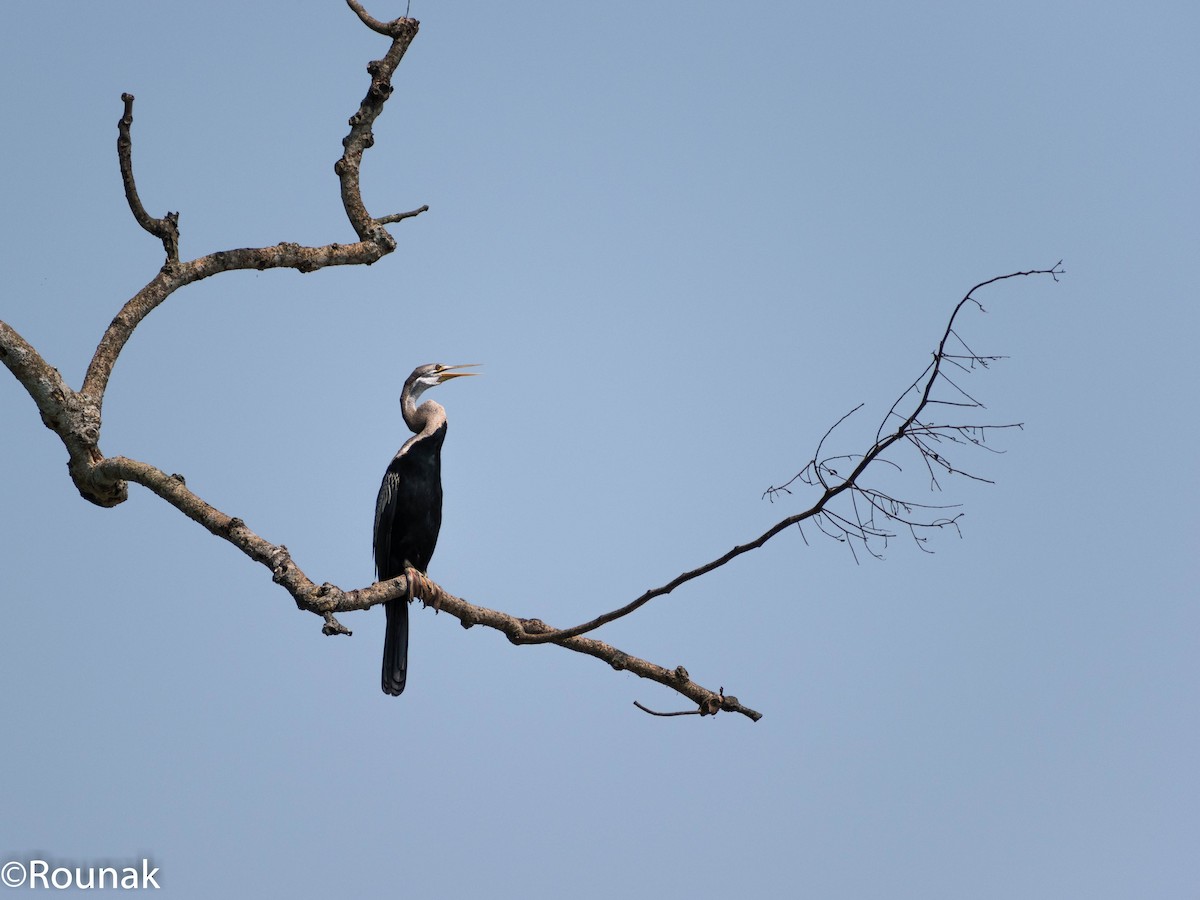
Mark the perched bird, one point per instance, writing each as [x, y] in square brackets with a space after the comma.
[408, 513]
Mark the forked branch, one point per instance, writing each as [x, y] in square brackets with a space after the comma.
[872, 520]
[870, 515]
[76, 415]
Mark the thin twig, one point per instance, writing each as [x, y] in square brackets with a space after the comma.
[400, 217]
[166, 228]
[681, 712]
[385, 28]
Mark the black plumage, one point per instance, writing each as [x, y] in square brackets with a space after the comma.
[408, 517]
[408, 512]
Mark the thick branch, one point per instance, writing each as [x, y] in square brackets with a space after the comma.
[402, 32]
[374, 243]
[517, 630]
[170, 278]
[326, 599]
[69, 415]
[43, 382]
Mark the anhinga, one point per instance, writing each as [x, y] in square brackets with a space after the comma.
[408, 513]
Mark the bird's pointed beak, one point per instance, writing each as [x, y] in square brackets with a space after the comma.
[451, 371]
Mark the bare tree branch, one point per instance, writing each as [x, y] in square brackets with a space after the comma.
[819, 472]
[384, 28]
[402, 32]
[374, 243]
[400, 217]
[871, 515]
[166, 228]
[374, 240]
[43, 382]
[69, 415]
[682, 712]
[76, 416]
[326, 599]
[172, 277]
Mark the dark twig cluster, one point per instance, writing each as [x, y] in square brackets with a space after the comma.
[868, 516]
[871, 516]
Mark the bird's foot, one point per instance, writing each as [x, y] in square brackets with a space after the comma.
[418, 578]
[436, 603]
[410, 576]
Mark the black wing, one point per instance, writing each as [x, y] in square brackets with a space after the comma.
[408, 512]
[408, 517]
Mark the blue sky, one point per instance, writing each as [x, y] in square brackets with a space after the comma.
[683, 239]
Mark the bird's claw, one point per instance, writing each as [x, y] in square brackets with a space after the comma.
[418, 577]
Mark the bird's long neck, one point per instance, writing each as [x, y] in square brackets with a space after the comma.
[422, 420]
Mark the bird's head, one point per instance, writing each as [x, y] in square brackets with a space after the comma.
[425, 377]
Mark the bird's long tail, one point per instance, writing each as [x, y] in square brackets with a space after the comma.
[395, 647]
